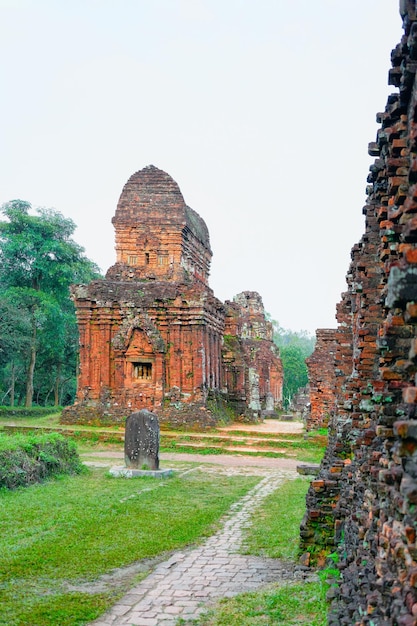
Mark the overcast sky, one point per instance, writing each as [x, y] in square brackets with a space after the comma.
[260, 110]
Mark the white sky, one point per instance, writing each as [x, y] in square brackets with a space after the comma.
[260, 110]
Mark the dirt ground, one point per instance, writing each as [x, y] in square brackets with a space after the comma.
[272, 427]
[110, 457]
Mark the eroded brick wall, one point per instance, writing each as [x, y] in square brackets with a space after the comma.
[363, 503]
[252, 368]
[321, 379]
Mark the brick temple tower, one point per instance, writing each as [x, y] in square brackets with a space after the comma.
[152, 332]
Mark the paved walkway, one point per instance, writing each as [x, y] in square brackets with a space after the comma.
[186, 583]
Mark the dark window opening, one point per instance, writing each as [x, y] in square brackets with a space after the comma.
[147, 258]
[143, 371]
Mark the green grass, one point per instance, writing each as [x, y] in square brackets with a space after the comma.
[44, 420]
[287, 606]
[275, 526]
[77, 528]
[52, 421]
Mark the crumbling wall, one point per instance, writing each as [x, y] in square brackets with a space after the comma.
[322, 379]
[363, 502]
[252, 368]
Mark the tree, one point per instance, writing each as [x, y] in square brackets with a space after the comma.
[294, 348]
[14, 343]
[38, 262]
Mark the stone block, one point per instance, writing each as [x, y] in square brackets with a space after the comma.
[142, 441]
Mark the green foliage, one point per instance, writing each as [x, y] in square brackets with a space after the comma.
[221, 410]
[27, 459]
[81, 527]
[294, 348]
[33, 411]
[333, 557]
[37, 251]
[38, 262]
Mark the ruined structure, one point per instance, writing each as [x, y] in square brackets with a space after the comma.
[249, 379]
[322, 379]
[363, 502]
[152, 334]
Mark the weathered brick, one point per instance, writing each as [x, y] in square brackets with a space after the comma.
[374, 513]
[152, 333]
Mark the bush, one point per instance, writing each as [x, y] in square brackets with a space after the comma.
[28, 459]
[34, 411]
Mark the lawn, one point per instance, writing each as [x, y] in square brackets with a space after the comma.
[59, 538]
[60, 535]
[289, 605]
[274, 531]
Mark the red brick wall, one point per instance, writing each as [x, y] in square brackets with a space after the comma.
[253, 375]
[322, 379]
[363, 503]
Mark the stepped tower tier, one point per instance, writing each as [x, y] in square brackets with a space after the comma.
[158, 237]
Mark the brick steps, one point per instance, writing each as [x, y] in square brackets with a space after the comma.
[242, 442]
[235, 441]
[240, 436]
[199, 446]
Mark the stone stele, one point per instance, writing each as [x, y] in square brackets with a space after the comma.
[142, 441]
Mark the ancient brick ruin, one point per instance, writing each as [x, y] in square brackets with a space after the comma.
[322, 379]
[248, 377]
[152, 333]
[362, 505]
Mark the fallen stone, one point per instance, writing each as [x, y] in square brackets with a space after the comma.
[311, 469]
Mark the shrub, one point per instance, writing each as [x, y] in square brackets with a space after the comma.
[27, 459]
[23, 411]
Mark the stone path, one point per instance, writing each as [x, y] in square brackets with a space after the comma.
[184, 585]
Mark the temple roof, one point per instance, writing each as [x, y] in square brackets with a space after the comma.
[153, 195]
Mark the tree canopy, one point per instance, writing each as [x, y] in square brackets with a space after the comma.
[294, 348]
[39, 261]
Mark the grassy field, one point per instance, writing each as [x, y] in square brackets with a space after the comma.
[59, 536]
[299, 450]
